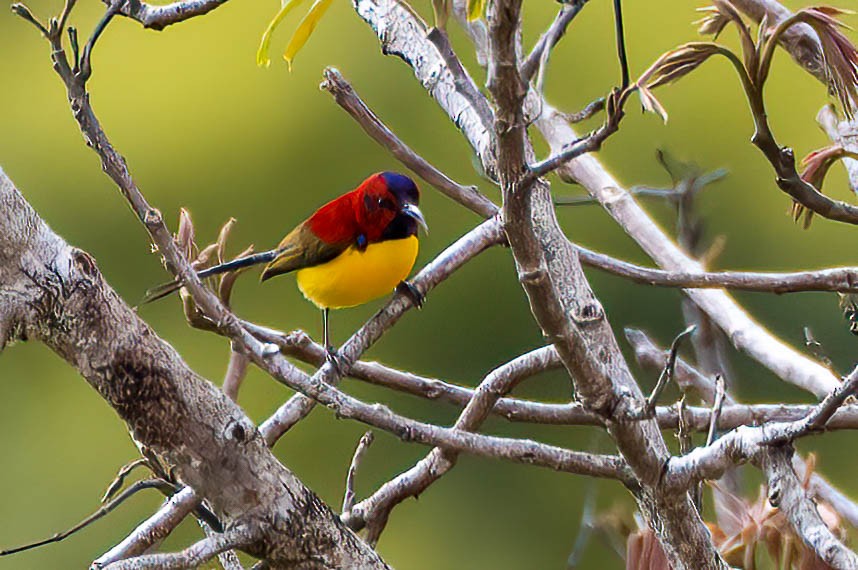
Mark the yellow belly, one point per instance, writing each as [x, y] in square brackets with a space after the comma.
[355, 277]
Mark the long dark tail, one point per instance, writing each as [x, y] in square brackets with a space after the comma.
[165, 289]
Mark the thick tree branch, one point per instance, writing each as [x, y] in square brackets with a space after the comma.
[569, 314]
[744, 333]
[787, 493]
[402, 35]
[54, 293]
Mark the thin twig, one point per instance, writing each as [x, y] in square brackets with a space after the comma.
[349, 495]
[816, 348]
[119, 480]
[639, 191]
[375, 510]
[98, 514]
[745, 443]
[347, 98]
[667, 372]
[538, 57]
[841, 279]
[86, 58]
[589, 110]
[590, 143]
[717, 408]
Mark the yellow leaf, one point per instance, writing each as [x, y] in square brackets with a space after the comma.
[305, 29]
[475, 9]
[262, 59]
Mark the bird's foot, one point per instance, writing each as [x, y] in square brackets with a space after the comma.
[410, 291]
[335, 359]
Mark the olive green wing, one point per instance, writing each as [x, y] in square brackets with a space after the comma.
[302, 248]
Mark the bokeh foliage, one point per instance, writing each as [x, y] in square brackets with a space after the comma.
[204, 128]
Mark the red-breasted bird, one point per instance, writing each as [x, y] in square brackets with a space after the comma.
[356, 248]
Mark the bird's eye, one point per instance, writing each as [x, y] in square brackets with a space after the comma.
[385, 203]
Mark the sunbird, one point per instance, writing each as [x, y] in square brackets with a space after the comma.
[356, 248]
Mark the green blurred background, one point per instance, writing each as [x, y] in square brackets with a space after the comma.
[203, 128]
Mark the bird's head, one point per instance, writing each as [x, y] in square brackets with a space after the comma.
[386, 207]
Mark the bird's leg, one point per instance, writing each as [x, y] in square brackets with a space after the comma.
[328, 346]
[332, 355]
[410, 291]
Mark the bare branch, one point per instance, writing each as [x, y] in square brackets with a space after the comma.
[154, 529]
[841, 279]
[178, 416]
[787, 493]
[745, 443]
[568, 312]
[192, 557]
[374, 511]
[349, 496]
[404, 36]
[350, 101]
[235, 373]
[733, 415]
[158, 17]
[745, 334]
[103, 511]
[381, 417]
[538, 58]
[462, 80]
[667, 372]
[471, 244]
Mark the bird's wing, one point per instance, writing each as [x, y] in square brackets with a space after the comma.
[302, 248]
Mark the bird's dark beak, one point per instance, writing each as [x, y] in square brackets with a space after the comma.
[413, 211]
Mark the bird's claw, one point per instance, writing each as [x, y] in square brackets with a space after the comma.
[410, 291]
[335, 359]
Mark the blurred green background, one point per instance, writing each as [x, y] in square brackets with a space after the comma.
[203, 128]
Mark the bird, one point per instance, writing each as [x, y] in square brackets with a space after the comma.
[354, 249]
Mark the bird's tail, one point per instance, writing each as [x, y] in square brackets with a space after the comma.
[165, 289]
